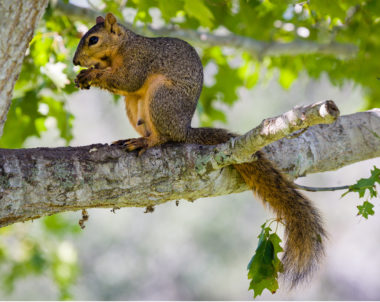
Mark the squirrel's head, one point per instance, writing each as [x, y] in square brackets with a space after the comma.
[100, 43]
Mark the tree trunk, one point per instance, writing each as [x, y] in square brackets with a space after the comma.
[18, 21]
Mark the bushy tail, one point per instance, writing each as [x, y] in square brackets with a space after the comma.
[303, 226]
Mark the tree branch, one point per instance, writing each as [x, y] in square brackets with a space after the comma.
[255, 47]
[352, 138]
[241, 149]
[43, 181]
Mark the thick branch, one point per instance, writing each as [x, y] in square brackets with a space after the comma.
[43, 181]
[256, 48]
[17, 24]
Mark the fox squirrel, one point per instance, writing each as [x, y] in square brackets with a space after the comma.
[161, 79]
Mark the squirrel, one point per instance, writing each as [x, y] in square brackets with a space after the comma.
[161, 79]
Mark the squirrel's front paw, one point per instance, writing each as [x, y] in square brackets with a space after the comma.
[84, 78]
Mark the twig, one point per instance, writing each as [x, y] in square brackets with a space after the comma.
[321, 189]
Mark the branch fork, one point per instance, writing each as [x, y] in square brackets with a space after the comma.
[241, 149]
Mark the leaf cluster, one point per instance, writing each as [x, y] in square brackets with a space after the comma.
[362, 186]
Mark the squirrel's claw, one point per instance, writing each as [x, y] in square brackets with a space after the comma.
[119, 142]
[131, 144]
[137, 144]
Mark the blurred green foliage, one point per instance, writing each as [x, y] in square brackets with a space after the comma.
[47, 75]
[46, 80]
[40, 250]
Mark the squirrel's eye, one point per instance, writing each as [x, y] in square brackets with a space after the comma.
[93, 40]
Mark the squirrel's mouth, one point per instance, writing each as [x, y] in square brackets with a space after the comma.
[94, 66]
[98, 66]
[95, 63]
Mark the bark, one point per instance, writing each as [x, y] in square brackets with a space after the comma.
[43, 181]
[18, 21]
[352, 138]
[255, 47]
[240, 149]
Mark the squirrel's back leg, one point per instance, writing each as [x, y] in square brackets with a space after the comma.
[163, 112]
[133, 108]
[170, 113]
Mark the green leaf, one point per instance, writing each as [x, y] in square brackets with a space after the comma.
[287, 77]
[264, 267]
[247, 73]
[276, 240]
[41, 48]
[329, 8]
[260, 264]
[143, 14]
[227, 82]
[268, 283]
[366, 209]
[169, 8]
[198, 10]
[365, 184]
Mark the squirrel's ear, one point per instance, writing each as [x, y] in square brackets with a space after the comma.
[99, 19]
[110, 19]
[111, 24]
